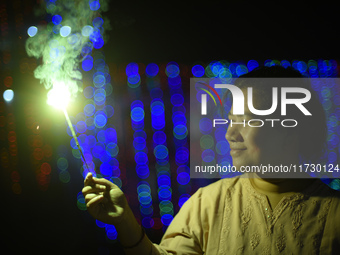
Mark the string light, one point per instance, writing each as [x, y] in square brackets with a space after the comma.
[180, 133]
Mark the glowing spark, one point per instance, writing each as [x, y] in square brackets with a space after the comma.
[59, 96]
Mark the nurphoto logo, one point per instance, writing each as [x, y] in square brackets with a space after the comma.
[239, 103]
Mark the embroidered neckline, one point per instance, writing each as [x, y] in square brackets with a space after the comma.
[287, 200]
[301, 195]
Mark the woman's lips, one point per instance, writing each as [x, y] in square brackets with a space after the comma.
[236, 152]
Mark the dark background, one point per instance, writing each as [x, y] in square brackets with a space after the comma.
[49, 222]
[190, 31]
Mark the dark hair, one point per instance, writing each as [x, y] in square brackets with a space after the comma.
[311, 130]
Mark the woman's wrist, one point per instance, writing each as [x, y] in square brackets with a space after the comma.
[139, 241]
[128, 229]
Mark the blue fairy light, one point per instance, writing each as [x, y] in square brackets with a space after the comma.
[161, 151]
[143, 171]
[152, 69]
[252, 64]
[241, 69]
[98, 22]
[32, 31]
[177, 99]
[172, 70]
[157, 108]
[159, 137]
[94, 5]
[183, 178]
[141, 157]
[56, 19]
[87, 63]
[87, 30]
[137, 114]
[100, 120]
[198, 70]
[65, 31]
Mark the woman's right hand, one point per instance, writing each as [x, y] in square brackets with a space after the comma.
[104, 200]
[107, 203]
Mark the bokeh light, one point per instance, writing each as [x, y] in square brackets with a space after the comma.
[172, 70]
[56, 19]
[32, 31]
[137, 114]
[94, 5]
[8, 95]
[152, 69]
[65, 31]
[87, 63]
[198, 70]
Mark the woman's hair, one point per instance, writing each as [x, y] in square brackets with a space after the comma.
[311, 130]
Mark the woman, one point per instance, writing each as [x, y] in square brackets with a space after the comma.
[252, 213]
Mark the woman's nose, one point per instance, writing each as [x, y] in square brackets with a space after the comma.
[233, 134]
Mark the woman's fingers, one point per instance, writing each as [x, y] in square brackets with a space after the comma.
[88, 179]
[90, 196]
[92, 200]
[96, 188]
[103, 181]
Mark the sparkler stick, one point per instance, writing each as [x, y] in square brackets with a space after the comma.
[59, 97]
[75, 137]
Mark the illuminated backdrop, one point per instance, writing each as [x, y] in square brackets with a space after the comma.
[131, 119]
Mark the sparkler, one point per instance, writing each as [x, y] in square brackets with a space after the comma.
[59, 97]
[75, 28]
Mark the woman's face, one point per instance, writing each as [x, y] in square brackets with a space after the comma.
[256, 145]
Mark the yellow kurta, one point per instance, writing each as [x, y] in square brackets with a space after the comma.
[231, 217]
